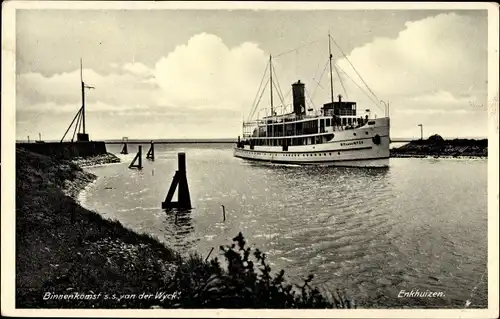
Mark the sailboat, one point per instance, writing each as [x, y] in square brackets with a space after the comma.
[336, 135]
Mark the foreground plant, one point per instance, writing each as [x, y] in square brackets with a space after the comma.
[246, 283]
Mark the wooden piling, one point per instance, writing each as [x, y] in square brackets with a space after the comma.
[124, 149]
[209, 254]
[223, 213]
[138, 158]
[151, 153]
[180, 181]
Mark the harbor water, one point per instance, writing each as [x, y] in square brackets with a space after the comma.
[419, 225]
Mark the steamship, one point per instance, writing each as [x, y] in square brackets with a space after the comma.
[336, 135]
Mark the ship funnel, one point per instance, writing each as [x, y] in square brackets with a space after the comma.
[299, 99]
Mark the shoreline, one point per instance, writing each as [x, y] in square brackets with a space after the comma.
[70, 257]
[428, 156]
[437, 147]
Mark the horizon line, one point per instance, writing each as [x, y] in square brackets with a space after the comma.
[225, 139]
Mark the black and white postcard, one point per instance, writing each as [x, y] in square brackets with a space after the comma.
[250, 159]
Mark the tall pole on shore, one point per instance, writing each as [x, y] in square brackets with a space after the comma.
[421, 131]
[83, 95]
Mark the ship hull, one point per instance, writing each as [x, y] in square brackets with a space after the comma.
[367, 146]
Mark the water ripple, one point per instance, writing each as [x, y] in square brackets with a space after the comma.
[372, 232]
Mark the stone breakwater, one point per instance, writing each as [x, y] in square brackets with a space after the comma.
[436, 146]
[72, 187]
[102, 159]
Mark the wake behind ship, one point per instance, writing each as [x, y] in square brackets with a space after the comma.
[336, 135]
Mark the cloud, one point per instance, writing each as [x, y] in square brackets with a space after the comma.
[58, 108]
[138, 69]
[433, 68]
[434, 72]
[202, 84]
[63, 90]
[444, 53]
[205, 72]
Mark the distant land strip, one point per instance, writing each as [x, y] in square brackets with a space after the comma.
[174, 141]
[213, 140]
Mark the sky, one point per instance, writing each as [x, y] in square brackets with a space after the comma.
[196, 73]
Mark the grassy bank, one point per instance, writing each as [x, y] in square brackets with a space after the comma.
[70, 257]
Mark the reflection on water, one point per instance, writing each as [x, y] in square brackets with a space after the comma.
[419, 224]
[178, 223]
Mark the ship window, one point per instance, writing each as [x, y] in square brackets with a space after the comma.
[330, 154]
[324, 154]
[354, 134]
[339, 153]
[366, 133]
[327, 122]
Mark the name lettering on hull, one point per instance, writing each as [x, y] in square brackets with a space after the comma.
[351, 143]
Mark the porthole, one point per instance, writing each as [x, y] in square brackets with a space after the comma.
[354, 134]
[366, 133]
[339, 153]
[330, 154]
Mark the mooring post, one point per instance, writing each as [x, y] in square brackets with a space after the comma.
[180, 180]
[151, 153]
[223, 213]
[124, 149]
[138, 158]
[184, 196]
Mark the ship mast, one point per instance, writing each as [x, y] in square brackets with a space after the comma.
[271, 90]
[331, 74]
[271, 83]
